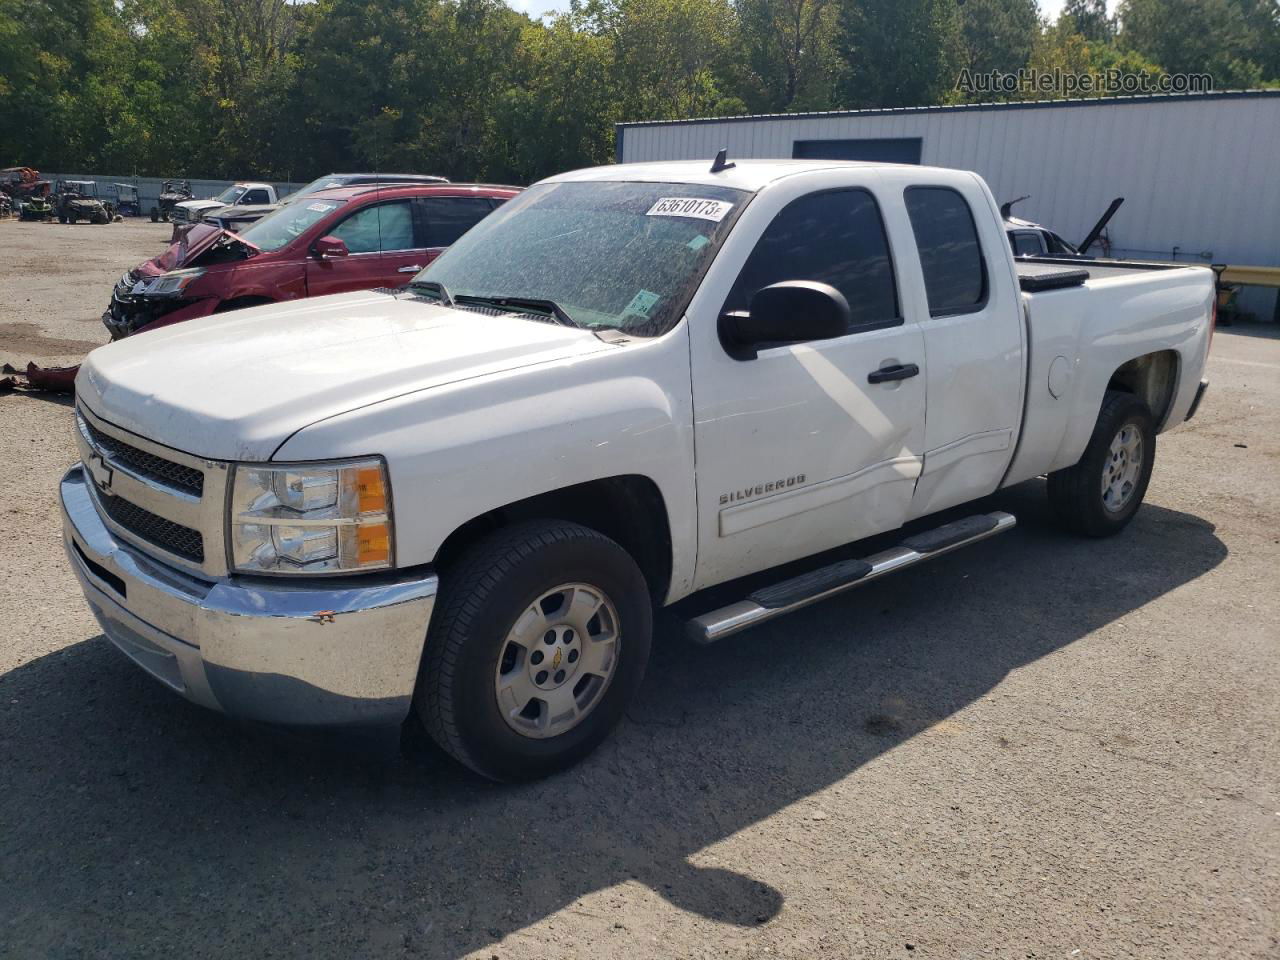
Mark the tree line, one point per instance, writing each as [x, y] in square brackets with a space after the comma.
[473, 89]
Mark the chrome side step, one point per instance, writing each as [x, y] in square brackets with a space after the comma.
[789, 595]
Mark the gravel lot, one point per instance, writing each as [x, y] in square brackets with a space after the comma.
[1039, 747]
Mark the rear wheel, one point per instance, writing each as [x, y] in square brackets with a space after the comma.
[539, 642]
[155, 214]
[1100, 494]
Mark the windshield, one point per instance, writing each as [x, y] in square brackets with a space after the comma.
[288, 223]
[610, 254]
[230, 195]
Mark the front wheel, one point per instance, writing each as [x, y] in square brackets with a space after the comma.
[1100, 494]
[539, 642]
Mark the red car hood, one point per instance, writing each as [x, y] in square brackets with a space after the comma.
[186, 250]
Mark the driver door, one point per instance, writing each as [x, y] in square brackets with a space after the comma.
[381, 251]
[805, 447]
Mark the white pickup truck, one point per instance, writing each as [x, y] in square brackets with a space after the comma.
[462, 500]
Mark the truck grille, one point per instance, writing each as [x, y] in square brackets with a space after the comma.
[165, 534]
[163, 501]
[187, 479]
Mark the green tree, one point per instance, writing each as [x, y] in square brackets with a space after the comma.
[672, 58]
[559, 106]
[789, 48]
[1193, 36]
[998, 34]
[1089, 19]
[898, 53]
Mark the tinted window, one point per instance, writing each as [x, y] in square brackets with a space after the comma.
[387, 226]
[835, 237]
[1026, 244]
[448, 218]
[255, 196]
[955, 277]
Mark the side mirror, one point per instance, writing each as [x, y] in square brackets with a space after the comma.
[792, 311]
[327, 247]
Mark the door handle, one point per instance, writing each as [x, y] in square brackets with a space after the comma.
[896, 371]
[412, 268]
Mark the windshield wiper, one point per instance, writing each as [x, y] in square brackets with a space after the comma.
[523, 304]
[436, 287]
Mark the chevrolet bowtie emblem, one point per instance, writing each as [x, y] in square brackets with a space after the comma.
[100, 472]
[555, 662]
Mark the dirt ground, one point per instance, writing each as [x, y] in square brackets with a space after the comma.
[1038, 747]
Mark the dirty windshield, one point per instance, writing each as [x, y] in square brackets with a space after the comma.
[607, 254]
[286, 224]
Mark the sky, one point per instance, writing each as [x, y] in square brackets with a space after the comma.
[1050, 8]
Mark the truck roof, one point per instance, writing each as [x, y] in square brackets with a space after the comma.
[414, 189]
[744, 175]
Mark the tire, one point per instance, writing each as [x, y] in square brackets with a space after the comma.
[62, 218]
[509, 578]
[155, 214]
[1083, 501]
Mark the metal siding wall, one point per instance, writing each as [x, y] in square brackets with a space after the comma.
[1197, 175]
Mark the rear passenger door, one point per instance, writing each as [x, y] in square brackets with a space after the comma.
[804, 447]
[973, 338]
[444, 219]
[383, 251]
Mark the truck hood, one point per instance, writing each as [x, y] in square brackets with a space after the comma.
[199, 204]
[192, 242]
[235, 386]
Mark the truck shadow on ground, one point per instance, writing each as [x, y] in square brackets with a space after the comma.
[133, 824]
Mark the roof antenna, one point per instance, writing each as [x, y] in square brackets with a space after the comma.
[720, 163]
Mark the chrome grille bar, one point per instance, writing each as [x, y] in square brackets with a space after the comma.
[167, 503]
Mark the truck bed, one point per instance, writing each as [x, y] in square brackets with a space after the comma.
[1037, 274]
[1085, 319]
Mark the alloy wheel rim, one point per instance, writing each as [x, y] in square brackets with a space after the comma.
[1122, 468]
[557, 660]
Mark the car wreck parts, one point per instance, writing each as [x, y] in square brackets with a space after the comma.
[39, 379]
[24, 191]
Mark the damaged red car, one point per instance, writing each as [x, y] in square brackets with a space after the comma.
[331, 241]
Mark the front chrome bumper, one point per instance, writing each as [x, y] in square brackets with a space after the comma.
[344, 653]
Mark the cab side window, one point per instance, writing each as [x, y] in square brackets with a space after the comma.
[383, 227]
[254, 196]
[955, 274]
[448, 218]
[834, 237]
[1026, 244]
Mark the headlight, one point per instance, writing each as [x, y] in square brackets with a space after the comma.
[311, 518]
[169, 284]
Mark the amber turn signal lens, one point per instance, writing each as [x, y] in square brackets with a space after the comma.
[371, 491]
[373, 544]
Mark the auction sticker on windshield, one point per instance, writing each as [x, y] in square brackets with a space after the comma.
[713, 210]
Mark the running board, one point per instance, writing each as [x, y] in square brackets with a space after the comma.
[789, 595]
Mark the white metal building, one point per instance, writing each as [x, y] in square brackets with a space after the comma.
[1198, 171]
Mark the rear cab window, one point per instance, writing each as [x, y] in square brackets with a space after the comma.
[1026, 243]
[955, 271]
[836, 237]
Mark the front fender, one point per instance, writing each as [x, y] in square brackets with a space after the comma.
[459, 451]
